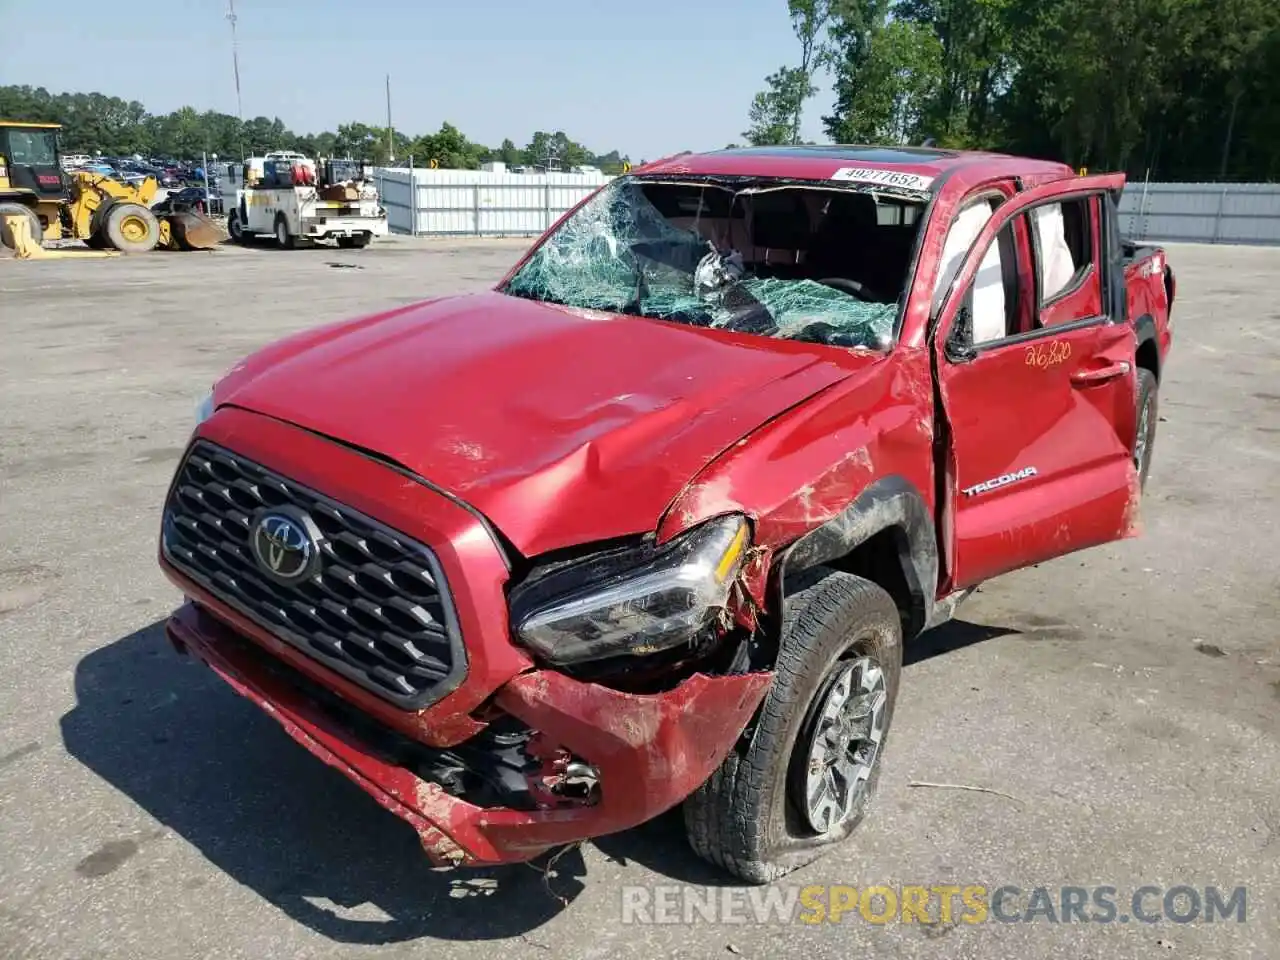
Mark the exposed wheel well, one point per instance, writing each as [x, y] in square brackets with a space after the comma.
[884, 558]
[1149, 358]
[885, 535]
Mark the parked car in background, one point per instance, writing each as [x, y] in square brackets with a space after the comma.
[188, 198]
[97, 166]
[131, 177]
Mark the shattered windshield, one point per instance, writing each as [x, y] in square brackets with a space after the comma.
[794, 262]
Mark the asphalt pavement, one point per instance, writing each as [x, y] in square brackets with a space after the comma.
[1123, 703]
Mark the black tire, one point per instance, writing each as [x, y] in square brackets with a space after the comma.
[357, 242]
[14, 210]
[235, 229]
[131, 228]
[97, 241]
[283, 239]
[746, 818]
[1145, 423]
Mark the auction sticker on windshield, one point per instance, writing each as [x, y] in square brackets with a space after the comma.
[887, 178]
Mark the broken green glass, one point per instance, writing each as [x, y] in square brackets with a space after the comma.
[619, 253]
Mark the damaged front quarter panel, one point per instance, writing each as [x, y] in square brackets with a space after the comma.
[827, 475]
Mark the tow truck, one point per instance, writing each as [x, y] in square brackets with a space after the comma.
[288, 196]
[652, 521]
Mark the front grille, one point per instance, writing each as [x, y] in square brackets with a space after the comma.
[376, 608]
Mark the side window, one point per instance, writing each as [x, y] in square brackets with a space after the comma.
[1067, 271]
[1042, 269]
[21, 147]
[993, 301]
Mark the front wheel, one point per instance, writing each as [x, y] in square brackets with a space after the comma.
[1148, 415]
[803, 776]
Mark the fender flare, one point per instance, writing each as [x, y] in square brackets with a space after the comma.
[892, 502]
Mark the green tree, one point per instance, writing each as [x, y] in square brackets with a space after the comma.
[555, 150]
[182, 134]
[370, 144]
[886, 75]
[538, 149]
[97, 123]
[509, 153]
[975, 62]
[809, 18]
[611, 163]
[1096, 79]
[325, 144]
[449, 148]
[775, 110]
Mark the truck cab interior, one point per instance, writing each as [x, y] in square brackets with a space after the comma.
[804, 233]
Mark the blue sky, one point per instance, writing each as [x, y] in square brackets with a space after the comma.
[649, 78]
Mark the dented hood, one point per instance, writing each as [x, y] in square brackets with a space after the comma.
[561, 426]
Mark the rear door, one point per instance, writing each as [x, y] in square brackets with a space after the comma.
[1037, 385]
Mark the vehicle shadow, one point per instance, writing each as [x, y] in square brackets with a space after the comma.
[216, 770]
[223, 775]
[951, 636]
[660, 845]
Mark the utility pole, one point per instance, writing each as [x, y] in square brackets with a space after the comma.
[235, 65]
[1231, 126]
[391, 137]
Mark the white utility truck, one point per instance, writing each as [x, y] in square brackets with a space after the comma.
[285, 195]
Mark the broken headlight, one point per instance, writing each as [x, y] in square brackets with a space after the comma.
[656, 605]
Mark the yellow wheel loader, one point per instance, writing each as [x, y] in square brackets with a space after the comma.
[81, 205]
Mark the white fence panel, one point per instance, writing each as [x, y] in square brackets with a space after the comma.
[479, 203]
[1202, 212]
[499, 204]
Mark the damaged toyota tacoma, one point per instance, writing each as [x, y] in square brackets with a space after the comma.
[649, 523]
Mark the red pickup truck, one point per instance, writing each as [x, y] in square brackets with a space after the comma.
[650, 522]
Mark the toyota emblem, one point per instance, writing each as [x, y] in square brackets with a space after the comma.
[284, 545]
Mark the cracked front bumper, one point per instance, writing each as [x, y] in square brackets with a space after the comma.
[651, 750]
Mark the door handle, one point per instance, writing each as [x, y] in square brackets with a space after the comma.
[1086, 378]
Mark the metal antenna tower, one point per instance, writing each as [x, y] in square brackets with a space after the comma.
[235, 56]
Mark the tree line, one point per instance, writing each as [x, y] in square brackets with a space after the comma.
[95, 123]
[1184, 90]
